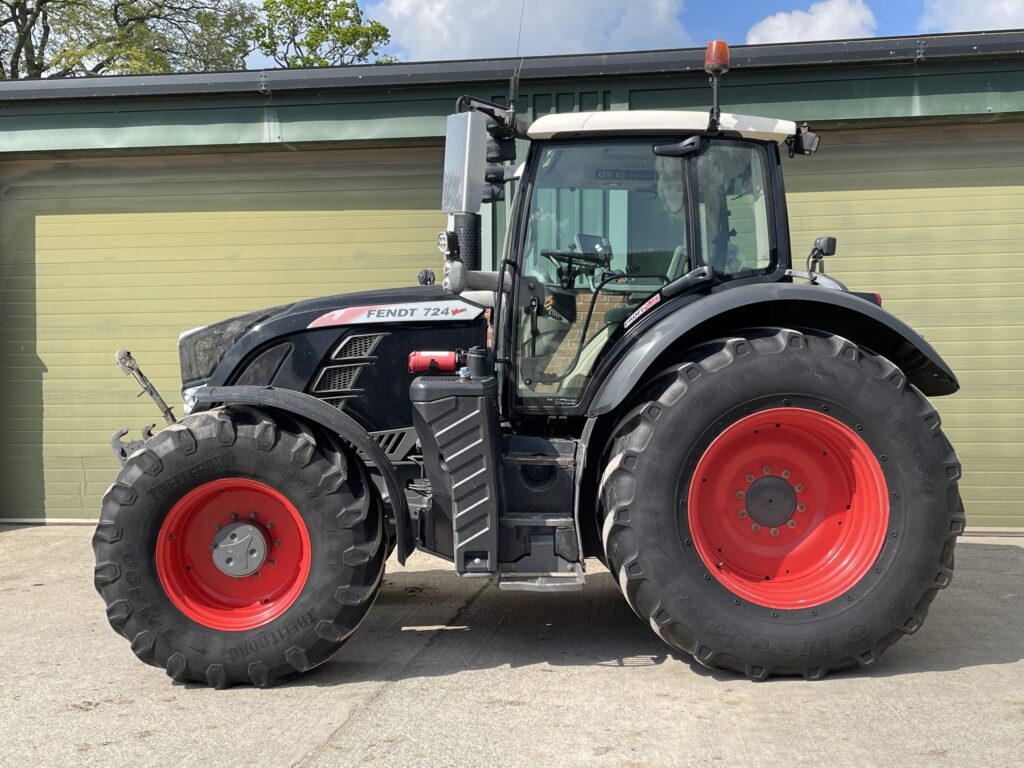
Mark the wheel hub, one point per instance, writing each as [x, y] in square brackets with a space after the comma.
[771, 501]
[787, 508]
[239, 549]
[233, 554]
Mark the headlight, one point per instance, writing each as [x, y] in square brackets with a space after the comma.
[188, 400]
[201, 350]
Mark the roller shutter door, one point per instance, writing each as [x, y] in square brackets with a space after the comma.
[933, 219]
[102, 253]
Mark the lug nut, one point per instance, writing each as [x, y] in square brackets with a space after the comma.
[740, 494]
[277, 542]
[749, 478]
[791, 523]
[799, 488]
[234, 515]
[271, 562]
[786, 473]
[766, 469]
[218, 527]
[801, 507]
[252, 515]
[774, 531]
[755, 528]
[270, 525]
[742, 513]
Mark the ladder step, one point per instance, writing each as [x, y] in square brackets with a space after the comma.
[571, 581]
[526, 519]
[533, 460]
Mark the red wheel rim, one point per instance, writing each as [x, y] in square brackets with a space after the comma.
[738, 504]
[200, 589]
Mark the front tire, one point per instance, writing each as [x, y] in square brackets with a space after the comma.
[781, 504]
[239, 546]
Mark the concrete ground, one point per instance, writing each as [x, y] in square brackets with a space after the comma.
[452, 672]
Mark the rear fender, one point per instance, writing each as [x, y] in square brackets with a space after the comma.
[785, 305]
[330, 418]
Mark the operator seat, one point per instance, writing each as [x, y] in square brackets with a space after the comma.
[677, 266]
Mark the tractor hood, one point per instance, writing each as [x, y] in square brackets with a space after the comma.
[212, 354]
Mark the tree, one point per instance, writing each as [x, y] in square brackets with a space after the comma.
[319, 33]
[64, 38]
[73, 38]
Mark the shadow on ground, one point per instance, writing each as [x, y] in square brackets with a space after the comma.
[978, 621]
[8, 527]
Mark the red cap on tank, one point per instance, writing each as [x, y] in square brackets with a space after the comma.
[716, 59]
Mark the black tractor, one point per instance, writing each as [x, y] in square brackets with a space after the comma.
[645, 379]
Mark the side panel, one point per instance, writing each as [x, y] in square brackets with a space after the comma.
[362, 370]
[457, 424]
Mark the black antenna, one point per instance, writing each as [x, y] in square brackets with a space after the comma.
[513, 92]
[519, 37]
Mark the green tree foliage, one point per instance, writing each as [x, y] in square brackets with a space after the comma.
[74, 38]
[319, 33]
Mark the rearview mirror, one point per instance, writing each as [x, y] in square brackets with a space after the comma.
[465, 160]
[825, 245]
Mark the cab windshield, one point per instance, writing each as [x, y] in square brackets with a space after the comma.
[608, 224]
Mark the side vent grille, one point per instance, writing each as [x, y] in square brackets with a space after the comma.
[337, 378]
[357, 346]
[337, 383]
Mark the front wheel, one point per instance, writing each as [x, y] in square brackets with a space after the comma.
[239, 546]
[781, 504]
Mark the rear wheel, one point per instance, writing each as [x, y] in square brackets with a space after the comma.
[239, 546]
[799, 505]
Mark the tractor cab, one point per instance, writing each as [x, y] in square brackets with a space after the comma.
[612, 215]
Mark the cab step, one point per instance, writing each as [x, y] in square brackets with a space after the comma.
[569, 581]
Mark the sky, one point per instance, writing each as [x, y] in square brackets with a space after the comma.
[425, 30]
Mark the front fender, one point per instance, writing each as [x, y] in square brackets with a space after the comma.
[773, 305]
[328, 417]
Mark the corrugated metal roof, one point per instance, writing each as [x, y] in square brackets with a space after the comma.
[910, 49]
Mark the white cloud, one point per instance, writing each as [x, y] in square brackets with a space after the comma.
[827, 20]
[423, 30]
[950, 16]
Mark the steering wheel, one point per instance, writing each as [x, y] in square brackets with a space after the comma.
[574, 258]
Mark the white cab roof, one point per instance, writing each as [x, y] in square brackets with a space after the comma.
[657, 121]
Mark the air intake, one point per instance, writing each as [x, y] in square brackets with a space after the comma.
[360, 346]
[337, 378]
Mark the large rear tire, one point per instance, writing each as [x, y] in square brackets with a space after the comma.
[781, 504]
[239, 546]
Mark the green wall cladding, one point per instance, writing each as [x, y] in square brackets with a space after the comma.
[933, 219]
[102, 254]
